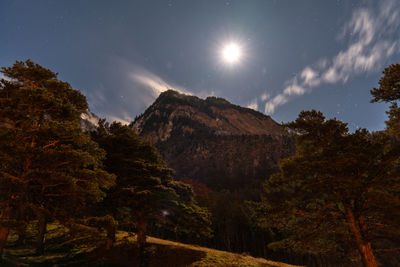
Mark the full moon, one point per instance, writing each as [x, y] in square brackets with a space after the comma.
[231, 53]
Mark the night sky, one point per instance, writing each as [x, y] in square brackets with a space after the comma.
[296, 55]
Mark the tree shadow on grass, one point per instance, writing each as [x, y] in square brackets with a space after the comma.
[155, 256]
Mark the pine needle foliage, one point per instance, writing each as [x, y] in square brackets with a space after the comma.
[48, 167]
[338, 195]
[145, 191]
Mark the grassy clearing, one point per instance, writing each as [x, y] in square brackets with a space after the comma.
[62, 249]
[213, 257]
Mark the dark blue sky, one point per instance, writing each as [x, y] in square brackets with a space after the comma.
[297, 55]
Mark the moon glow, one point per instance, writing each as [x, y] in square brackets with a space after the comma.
[231, 53]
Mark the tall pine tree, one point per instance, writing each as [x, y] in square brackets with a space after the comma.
[48, 166]
[144, 187]
[337, 194]
[389, 91]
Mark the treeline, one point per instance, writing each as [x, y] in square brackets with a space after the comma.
[52, 171]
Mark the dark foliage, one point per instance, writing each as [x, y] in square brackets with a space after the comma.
[145, 193]
[338, 196]
[49, 168]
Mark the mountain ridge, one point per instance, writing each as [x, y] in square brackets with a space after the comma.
[202, 139]
[172, 110]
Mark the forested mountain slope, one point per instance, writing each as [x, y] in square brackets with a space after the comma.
[213, 141]
[226, 152]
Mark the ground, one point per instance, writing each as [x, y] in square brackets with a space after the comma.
[62, 249]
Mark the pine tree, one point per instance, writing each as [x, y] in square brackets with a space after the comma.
[338, 192]
[48, 166]
[144, 185]
[389, 91]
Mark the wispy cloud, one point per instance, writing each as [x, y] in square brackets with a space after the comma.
[253, 104]
[265, 97]
[294, 88]
[373, 38]
[127, 120]
[131, 90]
[278, 100]
[153, 83]
[310, 77]
[2, 76]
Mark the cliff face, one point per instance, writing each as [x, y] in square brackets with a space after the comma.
[89, 121]
[213, 141]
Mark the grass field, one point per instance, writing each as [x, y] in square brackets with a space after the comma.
[62, 249]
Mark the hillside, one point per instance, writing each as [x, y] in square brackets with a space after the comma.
[64, 250]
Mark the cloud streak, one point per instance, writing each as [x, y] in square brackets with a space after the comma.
[132, 89]
[153, 83]
[371, 42]
[253, 104]
[2, 76]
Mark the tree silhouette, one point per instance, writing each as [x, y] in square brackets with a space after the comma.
[389, 91]
[338, 191]
[144, 186]
[48, 166]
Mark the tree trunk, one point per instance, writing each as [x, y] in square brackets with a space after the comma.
[21, 228]
[4, 230]
[3, 238]
[141, 231]
[141, 238]
[40, 241]
[110, 237]
[364, 246]
[21, 231]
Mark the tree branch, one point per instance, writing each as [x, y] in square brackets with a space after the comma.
[51, 144]
[388, 250]
[14, 177]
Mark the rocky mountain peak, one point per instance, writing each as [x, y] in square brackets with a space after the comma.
[177, 113]
[210, 140]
